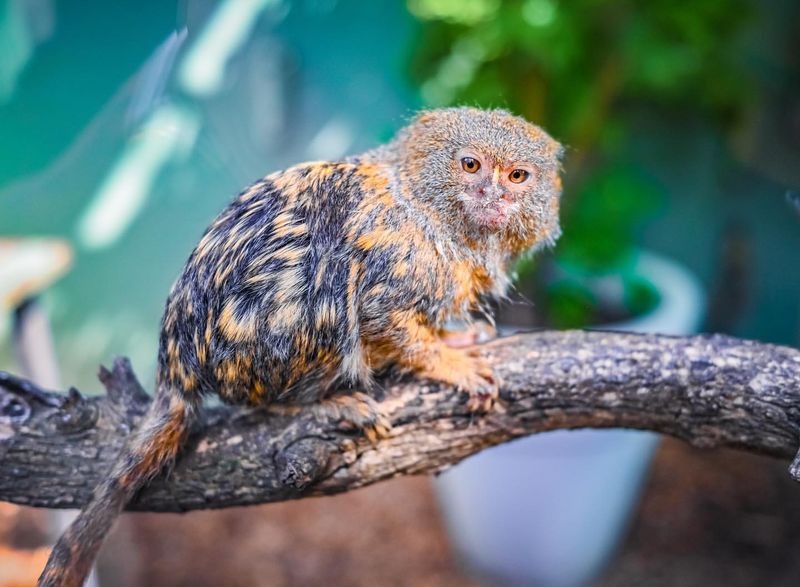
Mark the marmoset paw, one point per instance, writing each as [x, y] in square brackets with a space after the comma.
[478, 332]
[482, 386]
[468, 371]
[356, 410]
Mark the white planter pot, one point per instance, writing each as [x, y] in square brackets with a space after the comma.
[549, 510]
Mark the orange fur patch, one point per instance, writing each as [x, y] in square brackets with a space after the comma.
[326, 314]
[285, 316]
[162, 447]
[237, 328]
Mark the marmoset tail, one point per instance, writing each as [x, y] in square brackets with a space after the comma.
[317, 277]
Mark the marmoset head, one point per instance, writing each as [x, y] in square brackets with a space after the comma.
[487, 171]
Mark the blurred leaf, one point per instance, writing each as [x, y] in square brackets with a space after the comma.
[569, 304]
[641, 296]
[600, 224]
[456, 11]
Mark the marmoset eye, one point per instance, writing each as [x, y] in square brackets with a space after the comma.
[518, 175]
[470, 165]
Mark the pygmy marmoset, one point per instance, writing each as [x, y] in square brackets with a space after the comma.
[316, 277]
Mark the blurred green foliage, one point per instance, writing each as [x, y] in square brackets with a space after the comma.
[587, 71]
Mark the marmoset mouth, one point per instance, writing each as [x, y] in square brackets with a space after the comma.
[493, 215]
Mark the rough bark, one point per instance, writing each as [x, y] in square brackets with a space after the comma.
[712, 391]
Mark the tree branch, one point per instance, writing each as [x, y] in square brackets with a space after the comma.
[711, 391]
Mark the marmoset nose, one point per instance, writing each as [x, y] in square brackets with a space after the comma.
[487, 190]
[490, 192]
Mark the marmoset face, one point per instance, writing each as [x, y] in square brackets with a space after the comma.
[487, 172]
[493, 187]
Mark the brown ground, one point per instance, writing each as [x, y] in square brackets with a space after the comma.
[708, 519]
[387, 534]
[23, 531]
[720, 518]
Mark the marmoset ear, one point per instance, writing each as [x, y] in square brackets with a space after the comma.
[426, 117]
[559, 150]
